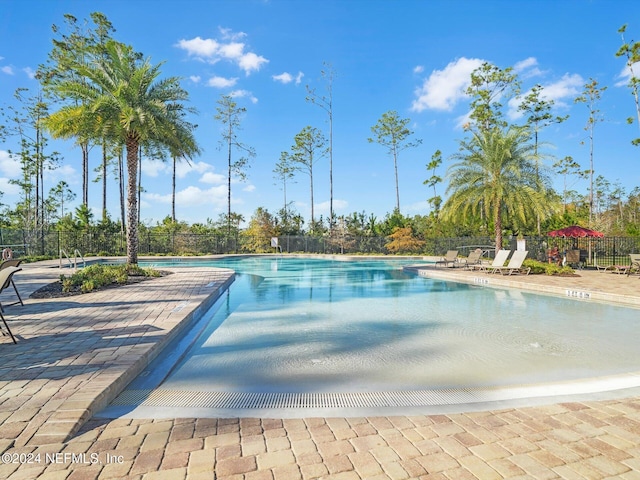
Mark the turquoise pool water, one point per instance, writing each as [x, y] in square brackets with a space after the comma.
[317, 325]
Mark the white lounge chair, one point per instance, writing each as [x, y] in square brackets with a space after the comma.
[474, 258]
[450, 258]
[498, 261]
[514, 265]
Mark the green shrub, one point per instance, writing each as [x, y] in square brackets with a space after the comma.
[547, 268]
[97, 275]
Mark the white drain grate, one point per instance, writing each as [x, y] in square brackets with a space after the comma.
[243, 400]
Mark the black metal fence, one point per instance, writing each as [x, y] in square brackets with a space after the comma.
[602, 251]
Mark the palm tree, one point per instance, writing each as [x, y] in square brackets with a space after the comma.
[496, 175]
[125, 101]
[185, 149]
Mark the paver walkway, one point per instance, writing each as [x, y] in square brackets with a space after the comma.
[75, 354]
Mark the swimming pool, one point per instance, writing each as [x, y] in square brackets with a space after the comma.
[309, 326]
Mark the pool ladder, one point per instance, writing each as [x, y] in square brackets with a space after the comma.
[76, 256]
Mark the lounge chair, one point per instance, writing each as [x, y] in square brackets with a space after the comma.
[498, 261]
[474, 258]
[634, 266]
[13, 262]
[6, 277]
[450, 258]
[515, 264]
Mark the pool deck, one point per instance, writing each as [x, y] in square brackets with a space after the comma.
[76, 354]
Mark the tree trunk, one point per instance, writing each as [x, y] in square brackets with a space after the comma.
[313, 222]
[104, 181]
[497, 219]
[123, 225]
[330, 171]
[173, 192]
[229, 182]
[395, 166]
[132, 201]
[139, 180]
[85, 173]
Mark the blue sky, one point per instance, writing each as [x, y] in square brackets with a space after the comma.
[414, 57]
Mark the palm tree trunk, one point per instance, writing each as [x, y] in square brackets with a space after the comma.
[132, 201]
[85, 173]
[497, 219]
[123, 226]
[104, 181]
[173, 192]
[139, 180]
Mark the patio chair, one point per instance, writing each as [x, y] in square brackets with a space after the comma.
[634, 267]
[450, 258]
[13, 262]
[474, 258]
[498, 261]
[515, 265]
[572, 258]
[6, 276]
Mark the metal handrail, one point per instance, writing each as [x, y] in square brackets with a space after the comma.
[76, 255]
[62, 251]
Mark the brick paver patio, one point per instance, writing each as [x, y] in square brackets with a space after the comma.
[76, 354]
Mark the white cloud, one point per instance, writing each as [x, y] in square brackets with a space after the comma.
[192, 197]
[243, 94]
[152, 167]
[213, 178]
[445, 88]
[200, 48]
[63, 172]
[463, 120]
[418, 208]
[284, 77]
[625, 74]
[184, 168]
[221, 82]
[230, 49]
[249, 188]
[9, 165]
[228, 34]
[322, 208]
[30, 72]
[7, 69]
[568, 87]
[418, 69]
[8, 188]
[527, 68]
[250, 61]
[195, 78]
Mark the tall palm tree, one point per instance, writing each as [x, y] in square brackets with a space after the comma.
[184, 148]
[496, 175]
[125, 101]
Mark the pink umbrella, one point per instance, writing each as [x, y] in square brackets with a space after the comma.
[574, 231]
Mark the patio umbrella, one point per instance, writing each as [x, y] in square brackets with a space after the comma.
[575, 231]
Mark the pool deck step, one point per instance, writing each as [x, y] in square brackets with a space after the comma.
[76, 354]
